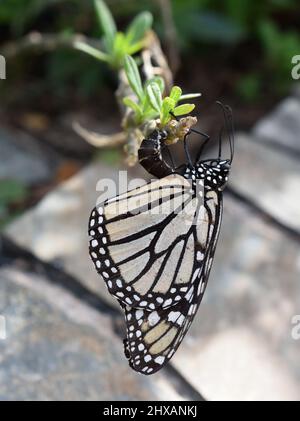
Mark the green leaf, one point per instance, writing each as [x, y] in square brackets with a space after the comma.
[154, 96]
[134, 48]
[119, 50]
[150, 114]
[161, 83]
[133, 76]
[88, 49]
[176, 93]
[183, 109]
[167, 106]
[120, 43]
[133, 105]
[157, 79]
[148, 110]
[138, 27]
[106, 22]
[189, 96]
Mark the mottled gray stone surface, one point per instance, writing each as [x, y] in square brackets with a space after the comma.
[24, 158]
[57, 348]
[282, 126]
[268, 178]
[240, 345]
[56, 229]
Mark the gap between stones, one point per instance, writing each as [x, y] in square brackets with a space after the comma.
[260, 213]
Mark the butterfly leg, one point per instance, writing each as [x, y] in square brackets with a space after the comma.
[192, 130]
[166, 148]
[206, 136]
[186, 150]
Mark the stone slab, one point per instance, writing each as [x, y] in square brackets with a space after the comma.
[23, 158]
[57, 348]
[241, 345]
[268, 178]
[281, 126]
[56, 229]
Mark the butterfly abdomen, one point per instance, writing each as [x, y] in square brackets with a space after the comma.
[150, 156]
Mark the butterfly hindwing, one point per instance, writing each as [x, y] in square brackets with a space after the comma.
[154, 336]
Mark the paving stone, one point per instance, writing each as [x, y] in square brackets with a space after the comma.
[56, 229]
[281, 126]
[57, 348]
[240, 345]
[24, 158]
[296, 89]
[268, 178]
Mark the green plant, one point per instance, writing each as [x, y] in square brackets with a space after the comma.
[150, 103]
[146, 106]
[116, 44]
[228, 25]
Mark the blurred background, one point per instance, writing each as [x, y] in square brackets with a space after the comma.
[62, 330]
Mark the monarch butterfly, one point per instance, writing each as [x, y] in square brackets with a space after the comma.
[154, 246]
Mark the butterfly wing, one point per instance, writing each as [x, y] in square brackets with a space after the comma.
[146, 244]
[154, 336]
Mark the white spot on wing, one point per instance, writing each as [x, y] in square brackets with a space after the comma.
[159, 360]
[173, 316]
[153, 318]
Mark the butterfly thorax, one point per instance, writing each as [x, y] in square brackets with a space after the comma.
[213, 175]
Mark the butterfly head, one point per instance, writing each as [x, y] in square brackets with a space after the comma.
[214, 172]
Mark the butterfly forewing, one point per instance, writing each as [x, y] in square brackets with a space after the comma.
[148, 257]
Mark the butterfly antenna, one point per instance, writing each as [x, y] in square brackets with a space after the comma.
[220, 143]
[231, 129]
[227, 114]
